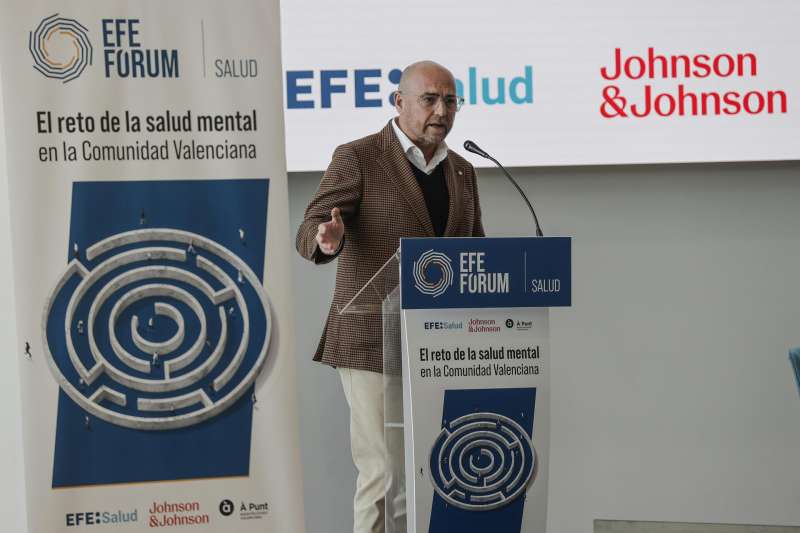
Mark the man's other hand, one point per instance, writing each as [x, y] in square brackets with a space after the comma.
[329, 234]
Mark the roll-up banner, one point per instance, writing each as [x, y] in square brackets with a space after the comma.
[574, 82]
[476, 374]
[149, 235]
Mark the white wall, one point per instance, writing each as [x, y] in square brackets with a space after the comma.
[12, 480]
[672, 394]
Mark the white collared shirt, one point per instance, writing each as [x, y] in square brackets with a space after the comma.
[415, 155]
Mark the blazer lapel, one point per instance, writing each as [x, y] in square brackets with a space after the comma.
[397, 166]
[455, 188]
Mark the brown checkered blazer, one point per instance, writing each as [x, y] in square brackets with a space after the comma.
[371, 181]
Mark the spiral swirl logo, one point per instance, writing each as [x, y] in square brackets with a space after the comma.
[60, 48]
[106, 354]
[442, 263]
[482, 461]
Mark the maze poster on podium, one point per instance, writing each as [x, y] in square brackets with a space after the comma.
[149, 227]
[476, 371]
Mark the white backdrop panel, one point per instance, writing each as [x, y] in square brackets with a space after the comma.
[541, 65]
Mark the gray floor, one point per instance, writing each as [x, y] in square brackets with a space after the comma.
[620, 526]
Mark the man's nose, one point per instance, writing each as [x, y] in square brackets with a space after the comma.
[440, 108]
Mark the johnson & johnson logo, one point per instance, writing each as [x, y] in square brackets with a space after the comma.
[622, 100]
[169, 514]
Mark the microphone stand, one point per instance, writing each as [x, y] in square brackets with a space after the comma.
[475, 149]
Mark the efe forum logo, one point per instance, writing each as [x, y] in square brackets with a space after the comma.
[60, 48]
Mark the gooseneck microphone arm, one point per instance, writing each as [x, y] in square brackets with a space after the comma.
[475, 149]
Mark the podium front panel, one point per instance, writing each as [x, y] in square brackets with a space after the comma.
[475, 335]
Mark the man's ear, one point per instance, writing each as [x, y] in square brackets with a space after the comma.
[399, 101]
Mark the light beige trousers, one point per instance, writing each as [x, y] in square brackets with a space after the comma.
[364, 391]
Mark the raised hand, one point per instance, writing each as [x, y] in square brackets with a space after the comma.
[329, 234]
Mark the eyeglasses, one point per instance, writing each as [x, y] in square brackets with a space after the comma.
[429, 101]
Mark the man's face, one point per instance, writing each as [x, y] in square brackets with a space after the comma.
[426, 125]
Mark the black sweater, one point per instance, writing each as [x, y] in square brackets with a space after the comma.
[437, 199]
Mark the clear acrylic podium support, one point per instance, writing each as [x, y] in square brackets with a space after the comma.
[381, 296]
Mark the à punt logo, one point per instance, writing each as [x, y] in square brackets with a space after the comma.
[658, 84]
[60, 48]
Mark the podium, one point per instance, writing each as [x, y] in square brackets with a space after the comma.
[466, 379]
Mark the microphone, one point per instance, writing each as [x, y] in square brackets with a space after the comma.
[470, 146]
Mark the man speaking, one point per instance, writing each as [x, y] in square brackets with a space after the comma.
[400, 182]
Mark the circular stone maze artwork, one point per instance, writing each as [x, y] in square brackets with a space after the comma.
[482, 461]
[157, 329]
